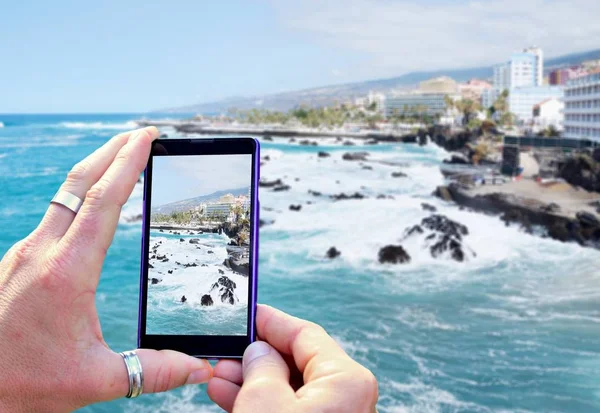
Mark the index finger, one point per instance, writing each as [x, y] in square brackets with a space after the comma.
[307, 342]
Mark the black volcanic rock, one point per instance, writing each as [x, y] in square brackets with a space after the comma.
[295, 207]
[183, 299]
[344, 197]
[314, 193]
[349, 143]
[155, 281]
[393, 254]
[170, 271]
[441, 223]
[281, 188]
[262, 222]
[428, 207]
[181, 240]
[324, 154]
[270, 184]
[399, 175]
[194, 241]
[355, 156]
[333, 252]
[445, 235]
[457, 159]
[226, 289]
[367, 167]
[206, 300]
[268, 138]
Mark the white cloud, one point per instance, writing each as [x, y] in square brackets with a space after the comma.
[393, 37]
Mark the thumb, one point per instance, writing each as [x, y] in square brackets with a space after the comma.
[163, 370]
[266, 380]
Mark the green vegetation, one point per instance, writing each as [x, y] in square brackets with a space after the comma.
[499, 111]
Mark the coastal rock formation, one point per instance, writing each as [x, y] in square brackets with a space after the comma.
[270, 184]
[428, 207]
[393, 254]
[344, 197]
[457, 159]
[225, 289]
[295, 207]
[306, 142]
[355, 156]
[324, 154]
[281, 188]
[443, 235]
[333, 252]
[582, 171]
[206, 300]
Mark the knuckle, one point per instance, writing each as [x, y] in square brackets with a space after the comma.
[365, 383]
[79, 172]
[96, 195]
[164, 379]
[21, 252]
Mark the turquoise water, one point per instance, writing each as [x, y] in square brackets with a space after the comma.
[514, 329]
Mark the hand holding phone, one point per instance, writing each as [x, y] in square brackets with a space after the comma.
[200, 246]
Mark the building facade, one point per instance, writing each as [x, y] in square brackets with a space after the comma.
[474, 89]
[524, 69]
[538, 67]
[522, 100]
[562, 76]
[408, 103]
[549, 112]
[489, 97]
[582, 108]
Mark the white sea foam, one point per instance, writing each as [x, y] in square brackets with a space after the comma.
[181, 400]
[3, 155]
[132, 210]
[99, 125]
[1, 125]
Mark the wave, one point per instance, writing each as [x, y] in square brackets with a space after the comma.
[1, 125]
[99, 125]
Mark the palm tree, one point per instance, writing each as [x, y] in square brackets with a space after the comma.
[467, 107]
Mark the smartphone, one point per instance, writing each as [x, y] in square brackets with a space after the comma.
[200, 247]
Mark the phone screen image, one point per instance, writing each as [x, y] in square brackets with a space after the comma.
[199, 245]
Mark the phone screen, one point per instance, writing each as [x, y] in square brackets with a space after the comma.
[198, 252]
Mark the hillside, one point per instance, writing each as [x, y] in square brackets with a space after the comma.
[188, 204]
[327, 95]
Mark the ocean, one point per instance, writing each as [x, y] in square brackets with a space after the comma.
[515, 328]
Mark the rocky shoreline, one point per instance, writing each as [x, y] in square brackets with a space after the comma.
[584, 228]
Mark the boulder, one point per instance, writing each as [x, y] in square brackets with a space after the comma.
[270, 184]
[443, 193]
[333, 252]
[268, 138]
[348, 143]
[399, 175]
[322, 154]
[209, 252]
[181, 240]
[372, 142]
[193, 264]
[441, 223]
[344, 197]
[448, 243]
[262, 222]
[155, 281]
[281, 188]
[221, 271]
[150, 265]
[393, 254]
[295, 207]
[428, 207]
[367, 167]
[587, 218]
[225, 288]
[206, 300]
[355, 156]
[170, 271]
[417, 229]
[183, 299]
[314, 193]
[195, 241]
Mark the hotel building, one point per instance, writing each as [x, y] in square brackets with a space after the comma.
[430, 95]
[522, 100]
[582, 108]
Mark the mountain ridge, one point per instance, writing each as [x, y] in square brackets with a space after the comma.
[327, 95]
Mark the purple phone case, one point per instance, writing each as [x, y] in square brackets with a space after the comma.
[255, 231]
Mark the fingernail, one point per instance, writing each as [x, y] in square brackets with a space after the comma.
[198, 376]
[256, 350]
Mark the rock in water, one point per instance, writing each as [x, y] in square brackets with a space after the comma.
[181, 240]
[324, 154]
[399, 175]
[270, 184]
[446, 235]
[314, 193]
[281, 188]
[206, 300]
[221, 271]
[344, 197]
[170, 271]
[295, 207]
[355, 156]
[333, 252]
[393, 254]
[444, 193]
[428, 207]
[155, 281]
[444, 224]
[225, 287]
[183, 299]
[195, 241]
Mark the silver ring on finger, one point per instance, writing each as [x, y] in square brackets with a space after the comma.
[67, 200]
[134, 372]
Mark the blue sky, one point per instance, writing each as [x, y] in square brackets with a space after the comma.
[176, 178]
[120, 56]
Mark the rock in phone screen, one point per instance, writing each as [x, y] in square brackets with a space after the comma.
[199, 245]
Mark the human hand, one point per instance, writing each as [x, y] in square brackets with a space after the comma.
[53, 357]
[297, 368]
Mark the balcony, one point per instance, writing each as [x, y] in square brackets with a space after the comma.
[582, 98]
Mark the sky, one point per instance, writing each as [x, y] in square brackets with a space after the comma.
[136, 56]
[176, 178]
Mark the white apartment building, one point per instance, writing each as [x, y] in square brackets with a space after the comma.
[489, 97]
[539, 64]
[582, 108]
[522, 100]
[548, 112]
[522, 70]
